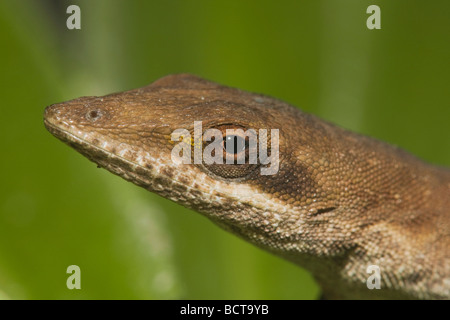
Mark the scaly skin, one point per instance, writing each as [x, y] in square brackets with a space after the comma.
[339, 202]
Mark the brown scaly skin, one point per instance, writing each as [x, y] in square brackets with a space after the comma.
[339, 202]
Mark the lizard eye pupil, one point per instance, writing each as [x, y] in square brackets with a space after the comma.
[235, 144]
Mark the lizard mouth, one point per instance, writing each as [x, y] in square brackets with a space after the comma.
[103, 158]
[86, 144]
[93, 153]
[73, 141]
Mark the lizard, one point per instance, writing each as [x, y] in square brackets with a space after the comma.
[339, 202]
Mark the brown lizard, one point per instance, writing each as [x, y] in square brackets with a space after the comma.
[338, 203]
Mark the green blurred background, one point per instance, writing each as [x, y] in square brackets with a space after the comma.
[57, 209]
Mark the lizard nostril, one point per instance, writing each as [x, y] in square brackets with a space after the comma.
[94, 115]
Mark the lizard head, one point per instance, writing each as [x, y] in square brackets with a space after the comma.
[131, 135]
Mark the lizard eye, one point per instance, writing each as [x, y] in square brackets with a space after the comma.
[237, 144]
[94, 114]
